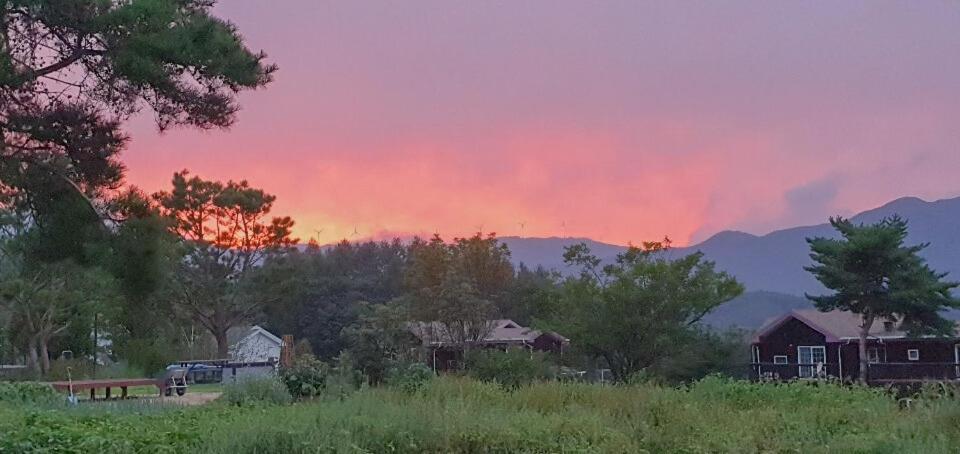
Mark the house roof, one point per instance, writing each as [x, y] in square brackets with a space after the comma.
[235, 335]
[834, 325]
[503, 331]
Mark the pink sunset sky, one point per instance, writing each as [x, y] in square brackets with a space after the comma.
[617, 120]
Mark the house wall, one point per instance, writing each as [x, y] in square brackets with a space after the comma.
[784, 341]
[547, 343]
[936, 355]
[255, 348]
[936, 359]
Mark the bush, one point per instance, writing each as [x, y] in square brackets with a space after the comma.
[511, 369]
[409, 378]
[76, 368]
[256, 391]
[306, 378]
[151, 356]
[21, 393]
[344, 378]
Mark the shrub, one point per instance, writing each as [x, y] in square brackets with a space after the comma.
[306, 378]
[150, 356]
[344, 378]
[20, 393]
[409, 378]
[512, 368]
[76, 368]
[256, 391]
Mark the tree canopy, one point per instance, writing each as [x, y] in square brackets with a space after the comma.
[226, 231]
[458, 285]
[872, 273]
[642, 309]
[71, 71]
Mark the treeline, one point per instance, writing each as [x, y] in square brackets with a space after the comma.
[176, 271]
[640, 314]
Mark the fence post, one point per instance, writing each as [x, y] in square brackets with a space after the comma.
[286, 351]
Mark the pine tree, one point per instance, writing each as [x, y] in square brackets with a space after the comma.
[873, 274]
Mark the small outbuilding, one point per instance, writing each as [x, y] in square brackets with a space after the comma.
[254, 344]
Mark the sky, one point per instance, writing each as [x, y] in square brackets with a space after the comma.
[622, 121]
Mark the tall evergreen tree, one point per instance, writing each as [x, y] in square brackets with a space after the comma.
[873, 274]
[227, 231]
[72, 71]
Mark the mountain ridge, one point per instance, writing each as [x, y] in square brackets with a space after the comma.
[774, 261]
[771, 265]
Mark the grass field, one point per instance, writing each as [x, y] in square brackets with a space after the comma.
[460, 415]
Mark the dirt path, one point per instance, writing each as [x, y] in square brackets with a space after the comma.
[191, 398]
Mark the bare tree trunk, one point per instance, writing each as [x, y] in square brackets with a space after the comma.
[223, 346]
[862, 348]
[45, 355]
[33, 360]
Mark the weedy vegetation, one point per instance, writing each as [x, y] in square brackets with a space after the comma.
[453, 414]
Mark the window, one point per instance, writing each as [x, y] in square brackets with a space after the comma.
[780, 359]
[811, 360]
[873, 355]
[913, 354]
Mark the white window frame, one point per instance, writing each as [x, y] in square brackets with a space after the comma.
[875, 351]
[805, 370]
[778, 357]
[913, 354]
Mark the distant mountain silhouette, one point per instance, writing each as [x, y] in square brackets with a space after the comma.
[771, 265]
[774, 262]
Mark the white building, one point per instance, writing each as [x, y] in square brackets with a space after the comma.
[254, 345]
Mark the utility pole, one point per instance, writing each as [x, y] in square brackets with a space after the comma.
[96, 319]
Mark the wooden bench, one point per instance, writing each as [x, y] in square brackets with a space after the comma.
[93, 385]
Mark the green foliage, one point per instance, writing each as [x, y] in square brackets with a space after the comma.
[171, 55]
[306, 378]
[344, 378]
[532, 293]
[28, 393]
[409, 377]
[378, 339]
[873, 274]
[458, 285]
[463, 415]
[314, 294]
[148, 355]
[256, 392]
[512, 368]
[703, 352]
[226, 230]
[45, 300]
[640, 310]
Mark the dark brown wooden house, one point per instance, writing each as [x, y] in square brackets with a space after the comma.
[812, 344]
[441, 350]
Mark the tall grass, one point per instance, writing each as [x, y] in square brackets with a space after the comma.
[463, 415]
